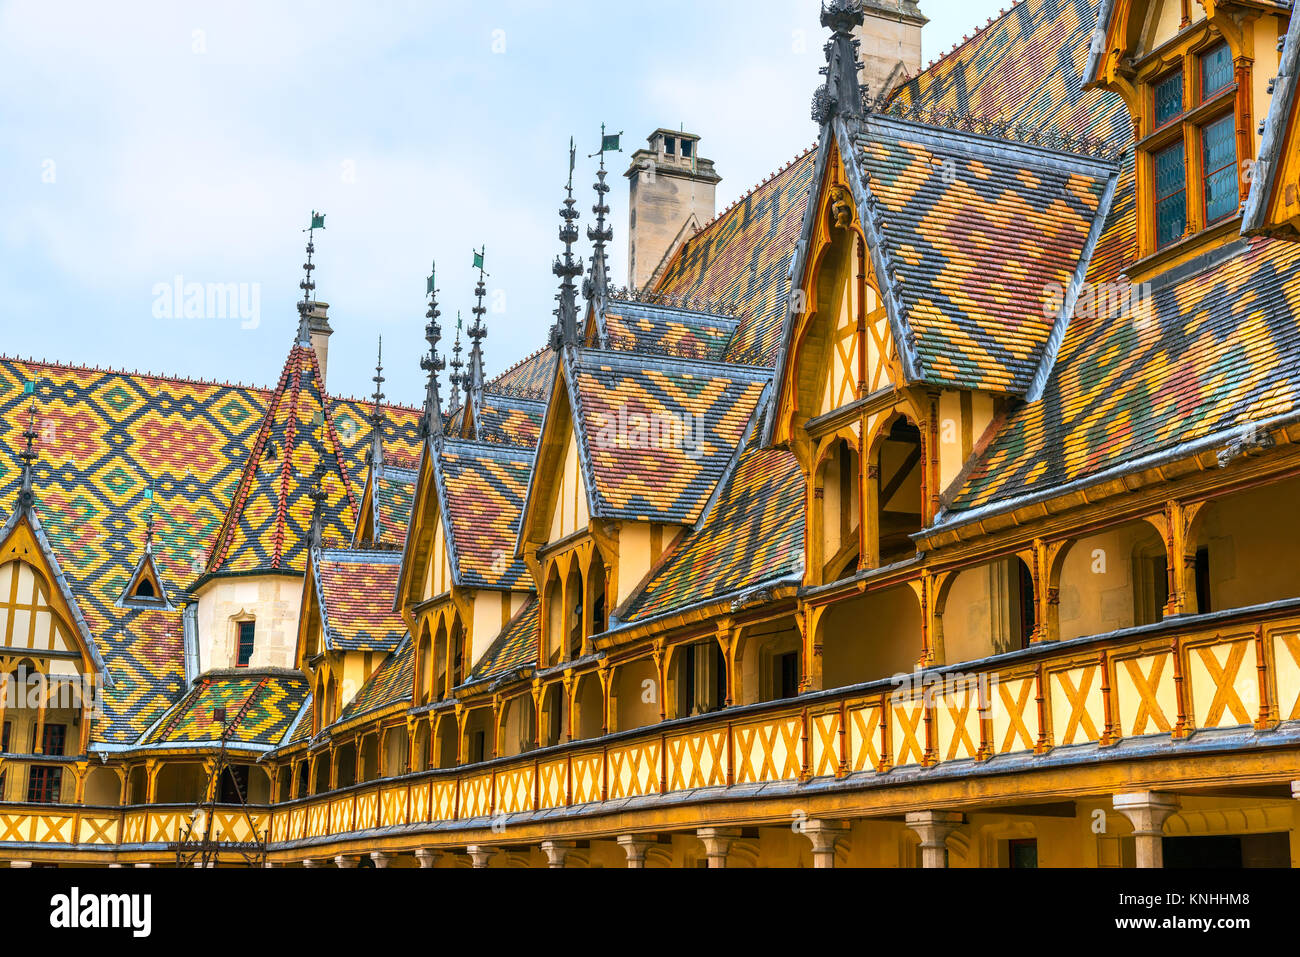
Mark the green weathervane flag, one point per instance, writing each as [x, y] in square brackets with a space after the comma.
[317, 220]
[478, 260]
[432, 272]
[609, 143]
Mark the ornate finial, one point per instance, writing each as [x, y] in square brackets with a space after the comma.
[596, 285]
[457, 377]
[148, 522]
[475, 378]
[566, 332]
[840, 95]
[308, 286]
[316, 493]
[431, 420]
[29, 455]
[375, 454]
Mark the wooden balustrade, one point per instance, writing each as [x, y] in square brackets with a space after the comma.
[1098, 691]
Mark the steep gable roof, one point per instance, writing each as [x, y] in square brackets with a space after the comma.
[1280, 128]
[354, 591]
[270, 700]
[483, 487]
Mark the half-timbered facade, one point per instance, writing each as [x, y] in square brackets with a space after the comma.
[933, 505]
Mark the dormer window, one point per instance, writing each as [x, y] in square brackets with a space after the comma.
[144, 590]
[244, 652]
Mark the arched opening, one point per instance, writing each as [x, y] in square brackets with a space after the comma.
[396, 751]
[369, 757]
[899, 465]
[697, 678]
[1245, 549]
[457, 656]
[137, 785]
[552, 723]
[519, 725]
[258, 790]
[871, 636]
[423, 667]
[446, 739]
[479, 743]
[573, 614]
[181, 782]
[103, 787]
[439, 668]
[322, 765]
[590, 701]
[596, 594]
[637, 696]
[841, 510]
[553, 632]
[768, 662]
[319, 697]
[987, 610]
[304, 779]
[420, 749]
[345, 765]
[1114, 579]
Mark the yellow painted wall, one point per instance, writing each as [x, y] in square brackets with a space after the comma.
[569, 513]
[874, 636]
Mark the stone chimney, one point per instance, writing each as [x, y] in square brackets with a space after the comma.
[670, 195]
[319, 326]
[891, 43]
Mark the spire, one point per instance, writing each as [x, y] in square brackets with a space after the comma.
[29, 455]
[566, 331]
[474, 384]
[456, 365]
[431, 421]
[307, 286]
[315, 532]
[597, 282]
[841, 94]
[376, 452]
[148, 522]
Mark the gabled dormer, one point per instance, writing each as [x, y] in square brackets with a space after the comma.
[145, 587]
[1194, 75]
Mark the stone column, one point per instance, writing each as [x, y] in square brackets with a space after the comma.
[635, 846]
[381, 858]
[480, 854]
[427, 856]
[20, 863]
[143, 864]
[933, 827]
[1147, 811]
[823, 835]
[556, 851]
[310, 862]
[1295, 790]
[345, 860]
[717, 842]
[270, 864]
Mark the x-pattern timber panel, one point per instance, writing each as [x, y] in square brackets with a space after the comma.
[99, 830]
[515, 789]
[1014, 714]
[587, 769]
[768, 750]
[1078, 713]
[367, 810]
[1148, 700]
[696, 760]
[957, 723]
[1225, 683]
[443, 800]
[392, 806]
[476, 796]
[864, 738]
[340, 818]
[906, 730]
[1286, 666]
[634, 770]
[825, 743]
[555, 782]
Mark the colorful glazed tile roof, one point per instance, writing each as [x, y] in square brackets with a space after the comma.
[754, 534]
[1213, 351]
[390, 683]
[515, 647]
[740, 261]
[267, 523]
[644, 327]
[389, 500]
[482, 489]
[355, 590]
[272, 699]
[510, 420]
[530, 377]
[104, 435]
[659, 433]
[971, 236]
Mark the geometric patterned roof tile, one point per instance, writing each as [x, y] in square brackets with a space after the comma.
[390, 683]
[273, 700]
[484, 485]
[514, 647]
[356, 589]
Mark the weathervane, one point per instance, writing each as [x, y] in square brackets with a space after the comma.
[431, 421]
[307, 285]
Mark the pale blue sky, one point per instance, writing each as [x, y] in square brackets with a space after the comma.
[140, 141]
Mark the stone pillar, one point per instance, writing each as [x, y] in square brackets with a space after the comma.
[823, 835]
[20, 863]
[345, 860]
[427, 856]
[635, 846]
[1295, 790]
[310, 862]
[143, 864]
[115, 864]
[556, 851]
[381, 858]
[480, 854]
[1147, 811]
[717, 842]
[270, 864]
[933, 827]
